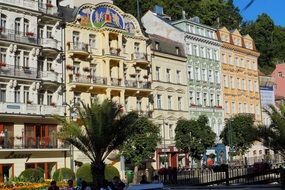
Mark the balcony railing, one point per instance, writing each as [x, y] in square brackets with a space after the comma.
[29, 4]
[89, 79]
[137, 84]
[140, 56]
[78, 46]
[30, 109]
[116, 82]
[49, 76]
[100, 80]
[48, 9]
[20, 142]
[18, 71]
[115, 51]
[17, 36]
[48, 43]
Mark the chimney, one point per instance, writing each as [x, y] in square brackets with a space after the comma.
[183, 14]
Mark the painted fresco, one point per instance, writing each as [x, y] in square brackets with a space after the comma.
[105, 16]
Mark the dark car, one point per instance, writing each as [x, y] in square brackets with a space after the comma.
[259, 167]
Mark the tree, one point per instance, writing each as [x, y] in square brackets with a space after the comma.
[102, 129]
[273, 136]
[194, 136]
[239, 132]
[141, 146]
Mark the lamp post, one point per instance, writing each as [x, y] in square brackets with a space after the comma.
[71, 110]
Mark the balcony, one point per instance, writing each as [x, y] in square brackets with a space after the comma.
[18, 71]
[49, 76]
[78, 48]
[116, 82]
[30, 109]
[137, 84]
[48, 9]
[140, 57]
[99, 80]
[88, 79]
[115, 51]
[48, 43]
[24, 142]
[16, 36]
[28, 4]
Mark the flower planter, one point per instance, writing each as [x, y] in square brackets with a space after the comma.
[145, 77]
[30, 34]
[53, 104]
[77, 74]
[86, 69]
[49, 5]
[69, 67]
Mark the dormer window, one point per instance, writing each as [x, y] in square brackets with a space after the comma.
[177, 50]
[157, 45]
[280, 74]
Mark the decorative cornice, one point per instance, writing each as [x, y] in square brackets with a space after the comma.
[231, 47]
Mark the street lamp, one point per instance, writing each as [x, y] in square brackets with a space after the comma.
[72, 108]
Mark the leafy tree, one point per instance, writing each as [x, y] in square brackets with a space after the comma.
[141, 147]
[102, 129]
[194, 136]
[239, 132]
[273, 136]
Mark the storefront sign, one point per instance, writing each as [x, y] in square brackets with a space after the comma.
[19, 155]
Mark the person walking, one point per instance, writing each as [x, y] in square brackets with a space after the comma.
[53, 186]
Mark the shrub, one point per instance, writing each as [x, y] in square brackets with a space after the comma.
[63, 174]
[84, 172]
[32, 175]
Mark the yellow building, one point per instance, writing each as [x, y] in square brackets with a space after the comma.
[239, 74]
[106, 58]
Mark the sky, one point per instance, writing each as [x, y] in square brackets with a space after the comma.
[274, 8]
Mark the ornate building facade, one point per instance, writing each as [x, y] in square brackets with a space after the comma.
[30, 87]
[240, 81]
[203, 71]
[106, 58]
[169, 84]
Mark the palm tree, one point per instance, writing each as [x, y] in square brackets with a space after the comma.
[102, 128]
[248, 5]
[273, 136]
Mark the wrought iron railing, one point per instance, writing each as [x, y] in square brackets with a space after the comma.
[17, 36]
[19, 71]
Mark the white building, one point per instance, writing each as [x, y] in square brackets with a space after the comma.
[31, 88]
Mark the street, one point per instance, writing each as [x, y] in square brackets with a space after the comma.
[234, 187]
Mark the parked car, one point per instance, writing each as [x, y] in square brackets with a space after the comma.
[259, 167]
[150, 186]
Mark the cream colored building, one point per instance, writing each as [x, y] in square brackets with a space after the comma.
[169, 84]
[30, 87]
[106, 58]
[240, 81]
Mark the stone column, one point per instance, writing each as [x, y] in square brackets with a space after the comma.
[121, 73]
[107, 46]
[108, 74]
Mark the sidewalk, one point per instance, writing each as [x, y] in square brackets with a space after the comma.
[265, 186]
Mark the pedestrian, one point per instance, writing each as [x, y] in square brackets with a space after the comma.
[84, 186]
[117, 184]
[70, 185]
[156, 179]
[53, 186]
[79, 183]
[144, 180]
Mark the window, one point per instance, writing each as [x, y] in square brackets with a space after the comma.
[208, 53]
[93, 97]
[238, 83]
[92, 41]
[210, 76]
[280, 74]
[218, 100]
[2, 55]
[195, 52]
[198, 98]
[124, 44]
[257, 109]
[2, 93]
[75, 37]
[231, 82]
[49, 32]
[158, 99]
[202, 53]
[241, 63]
[239, 108]
[189, 48]
[230, 59]
[49, 98]
[255, 86]
[225, 80]
[17, 26]
[178, 77]
[212, 100]
[179, 103]
[3, 21]
[177, 50]
[204, 74]
[245, 109]
[157, 45]
[233, 107]
[77, 98]
[26, 60]
[26, 94]
[137, 47]
[215, 56]
[251, 108]
[26, 26]
[190, 76]
[41, 98]
[171, 135]
[49, 65]
[236, 61]
[250, 85]
[197, 73]
[223, 58]
[227, 107]
[139, 104]
[204, 99]
[17, 93]
[217, 80]
[169, 98]
[17, 59]
[41, 33]
[260, 152]
[76, 67]
[168, 75]
[157, 73]
[191, 98]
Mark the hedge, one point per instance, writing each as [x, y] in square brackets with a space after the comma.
[63, 174]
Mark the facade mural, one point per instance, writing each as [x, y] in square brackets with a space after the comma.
[104, 15]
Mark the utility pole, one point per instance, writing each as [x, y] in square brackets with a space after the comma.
[138, 9]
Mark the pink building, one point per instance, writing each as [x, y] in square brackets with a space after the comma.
[279, 76]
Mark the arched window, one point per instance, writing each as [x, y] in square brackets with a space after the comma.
[17, 25]
[3, 21]
[26, 26]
